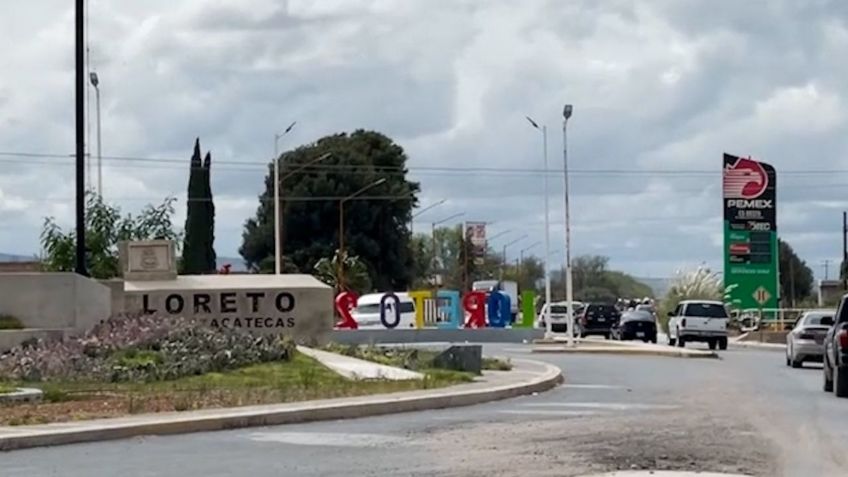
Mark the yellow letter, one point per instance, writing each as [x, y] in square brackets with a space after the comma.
[418, 298]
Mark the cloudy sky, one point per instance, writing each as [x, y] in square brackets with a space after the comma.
[660, 89]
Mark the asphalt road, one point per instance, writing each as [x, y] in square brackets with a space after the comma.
[746, 413]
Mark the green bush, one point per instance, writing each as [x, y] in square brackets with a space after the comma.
[9, 322]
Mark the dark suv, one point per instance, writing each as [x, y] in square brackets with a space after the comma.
[598, 319]
[835, 369]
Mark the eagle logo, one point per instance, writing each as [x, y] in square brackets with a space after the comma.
[745, 179]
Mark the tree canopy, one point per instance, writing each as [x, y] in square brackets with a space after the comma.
[312, 186]
[594, 282]
[796, 278]
[104, 228]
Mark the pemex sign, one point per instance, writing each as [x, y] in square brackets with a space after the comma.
[750, 232]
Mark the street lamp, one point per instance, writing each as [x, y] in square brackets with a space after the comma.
[521, 254]
[433, 232]
[519, 239]
[282, 179]
[425, 209]
[277, 138]
[95, 81]
[499, 234]
[569, 292]
[544, 130]
[341, 255]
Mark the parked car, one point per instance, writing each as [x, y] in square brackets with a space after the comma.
[806, 340]
[597, 319]
[835, 369]
[698, 320]
[510, 288]
[636, 325]
[367, 311]
[559, 315]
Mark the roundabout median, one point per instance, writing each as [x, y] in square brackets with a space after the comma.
[589, 346]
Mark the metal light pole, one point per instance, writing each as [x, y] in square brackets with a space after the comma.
[340, 264]
[277, 137]
[79, 91]
[544, 130]
[425, 209]
[521, 257]
[95, 81]
[569, 292]
[433, 233]
[503, 260]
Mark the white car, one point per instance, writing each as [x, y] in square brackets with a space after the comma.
[698, 320]
[559, 315]
[367, 311]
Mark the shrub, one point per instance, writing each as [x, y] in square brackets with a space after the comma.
[142, 348]
[9, 322]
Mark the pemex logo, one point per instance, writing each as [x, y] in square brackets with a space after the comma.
[745, 179]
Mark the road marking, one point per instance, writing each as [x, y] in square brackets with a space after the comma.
[326, 439]
[548, 412]
[592, 386]
[613, 406]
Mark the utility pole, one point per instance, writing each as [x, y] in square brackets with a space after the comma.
[80, 136]
[844, 276]
[826, 265]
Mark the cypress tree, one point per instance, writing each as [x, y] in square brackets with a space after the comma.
[193, 261]
[210, 259]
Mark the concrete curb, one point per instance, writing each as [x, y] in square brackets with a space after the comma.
[23, 437]
[749, 344]
[671, 352]
[22, 394]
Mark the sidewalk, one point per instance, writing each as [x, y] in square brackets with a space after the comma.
[601, 346]
[526, 377]
[737, 342]
[355, 368]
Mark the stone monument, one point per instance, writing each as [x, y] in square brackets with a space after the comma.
[300, 306]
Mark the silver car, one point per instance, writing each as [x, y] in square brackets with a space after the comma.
[806, 340]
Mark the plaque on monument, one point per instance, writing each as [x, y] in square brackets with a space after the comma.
[148, 260]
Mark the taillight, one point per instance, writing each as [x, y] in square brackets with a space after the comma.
[683, 322]
[843, 339]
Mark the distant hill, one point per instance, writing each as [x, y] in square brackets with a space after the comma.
[658, 285]
[8, 257]
[236, 263]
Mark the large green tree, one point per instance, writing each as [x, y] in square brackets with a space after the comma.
[593, 281]
[198, 248]
[375, 223]
[796, 278]
[104, 228]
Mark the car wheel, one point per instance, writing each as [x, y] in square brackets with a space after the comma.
[671, 341]
[722, 344]
[654, 339]
[797, 363]
[681, 342]
[828, 379]
[788, 362]
[713, 344]
[840, 382]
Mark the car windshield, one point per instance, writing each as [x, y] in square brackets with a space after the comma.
[368, 309]
[705, 310]
[818, 320]
[601, 310]
[638, 315]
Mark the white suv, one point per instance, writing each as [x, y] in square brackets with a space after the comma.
[698, 320]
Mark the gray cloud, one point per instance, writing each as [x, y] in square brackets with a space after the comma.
[665, 85]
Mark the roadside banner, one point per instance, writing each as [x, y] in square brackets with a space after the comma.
[750, 233]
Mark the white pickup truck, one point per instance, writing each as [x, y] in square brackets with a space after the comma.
[698, 320]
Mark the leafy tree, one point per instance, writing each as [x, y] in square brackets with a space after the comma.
[355, 274]
[198, 249]
[796, 278]
[699, 284]
[105, 227]
[593, 281]
[375, 229]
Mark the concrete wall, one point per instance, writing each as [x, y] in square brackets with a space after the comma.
[299, 306]
[54, 300]
[434, 335]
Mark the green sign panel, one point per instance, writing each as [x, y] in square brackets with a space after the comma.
[750, 233]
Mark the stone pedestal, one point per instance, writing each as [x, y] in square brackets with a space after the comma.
[468, 358]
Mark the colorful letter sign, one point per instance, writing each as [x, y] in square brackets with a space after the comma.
[750, 233]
